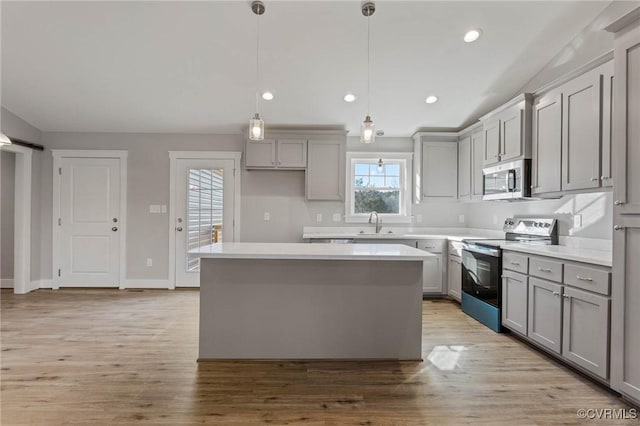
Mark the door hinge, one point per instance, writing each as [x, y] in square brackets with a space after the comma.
[59, 170]
[59, 272]
[59, 221]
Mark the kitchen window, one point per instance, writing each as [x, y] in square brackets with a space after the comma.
[380, 186]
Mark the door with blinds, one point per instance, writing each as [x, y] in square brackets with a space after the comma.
[204, 212]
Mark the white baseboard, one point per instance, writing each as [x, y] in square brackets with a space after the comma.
[43, 283]
[146, 283]
[6, 282]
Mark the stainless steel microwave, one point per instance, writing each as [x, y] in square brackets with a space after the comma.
[507, 181]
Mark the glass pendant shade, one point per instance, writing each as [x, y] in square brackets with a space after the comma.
[4, 139]
[368, 131]
[256, 128]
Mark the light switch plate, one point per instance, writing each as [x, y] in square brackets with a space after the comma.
[577, 221]
[154, 208]
[419, 218]
[267, 216]
[336, 217]
[319, 217]
[149, 262]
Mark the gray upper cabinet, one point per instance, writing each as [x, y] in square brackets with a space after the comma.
[572, 134]
[511, 134]
[625, 315]
[547, 143]
[276, 154]
[585, 331]
[464, 168]
[507, 131]
[440, 170]
[581, 132]
[545, 314]
[260, 154]
[491, 132]
[477, 164]
[325, 177]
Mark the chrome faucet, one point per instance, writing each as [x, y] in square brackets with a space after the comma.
[378, 221]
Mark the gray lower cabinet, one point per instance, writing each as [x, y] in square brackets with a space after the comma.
[567, 317]
[625, 315]
[585, 330]
[515, 296]
[545, 314]
[433, 277]
[454, 276]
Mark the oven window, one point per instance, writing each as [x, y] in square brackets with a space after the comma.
[481, 277]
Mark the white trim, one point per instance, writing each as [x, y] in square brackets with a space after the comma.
[48, 284]
[406, 177]
[22, 221]
[148, 283]
[6, 282]
[174, 156]
[58, 155]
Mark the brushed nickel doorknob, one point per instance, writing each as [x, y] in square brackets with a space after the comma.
[114, 229]
[618, 203]
[179, 228]
[618, 227]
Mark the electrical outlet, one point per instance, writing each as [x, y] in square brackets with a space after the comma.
[336, 217]
[495, 219]
[577, 221]
[461, 218]
[267, 216]
[419, 218]
[319, 217]
[149, 262]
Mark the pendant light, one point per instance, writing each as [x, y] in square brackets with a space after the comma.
[380, 165]
[4, 139]
[368, 130]
[256, 125]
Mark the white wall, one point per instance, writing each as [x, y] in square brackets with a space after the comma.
[7, 197]
[15, 127]
[596, 209]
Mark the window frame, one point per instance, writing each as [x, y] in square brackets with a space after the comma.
[405, 159]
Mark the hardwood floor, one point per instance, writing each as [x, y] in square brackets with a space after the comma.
[119, 357]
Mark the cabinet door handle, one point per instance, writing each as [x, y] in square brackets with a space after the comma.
[566, 296]
[515, 263]
[544, 269]
[618, 227]
[618, 203]
[594, 179]
[555, 293]
[429, 247]
[583, 278]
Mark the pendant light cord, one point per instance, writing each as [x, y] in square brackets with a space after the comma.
[257, 60]
[368, 66]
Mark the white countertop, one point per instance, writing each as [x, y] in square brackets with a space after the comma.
[311, 251]
[367, 233]
[587, 255]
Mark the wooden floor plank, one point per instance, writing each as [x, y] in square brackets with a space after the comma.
[107, 357]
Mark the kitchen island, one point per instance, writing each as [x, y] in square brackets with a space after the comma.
[310, 301]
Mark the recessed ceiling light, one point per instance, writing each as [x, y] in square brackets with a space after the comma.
[267, 96]
[349, 97]
[472, 36]
[431, 99]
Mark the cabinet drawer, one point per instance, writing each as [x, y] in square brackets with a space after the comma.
[588, 278]
[433, 246]
[515, 262]
[545, 268]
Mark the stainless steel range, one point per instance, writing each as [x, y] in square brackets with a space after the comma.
[482, 266]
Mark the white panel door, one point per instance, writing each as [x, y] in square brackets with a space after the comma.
[89, 222]
[204, 212]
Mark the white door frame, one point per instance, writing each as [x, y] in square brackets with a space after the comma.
[58, 155]
[22, 220]
[174, 156]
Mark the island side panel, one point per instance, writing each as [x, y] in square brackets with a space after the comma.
[310, 309]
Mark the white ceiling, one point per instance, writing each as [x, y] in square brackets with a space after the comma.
[178, 67]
